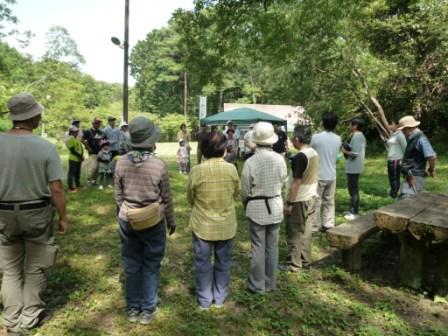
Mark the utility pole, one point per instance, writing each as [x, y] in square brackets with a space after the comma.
[126, 63]
[185, 95]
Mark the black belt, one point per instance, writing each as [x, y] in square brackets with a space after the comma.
[266, 201]
[24, 206]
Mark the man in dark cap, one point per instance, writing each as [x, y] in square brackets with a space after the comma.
[91, 140]
[143, 197]
[30, 176]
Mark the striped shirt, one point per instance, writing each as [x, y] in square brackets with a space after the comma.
[143, 184]
[264, 174]
[212, 189]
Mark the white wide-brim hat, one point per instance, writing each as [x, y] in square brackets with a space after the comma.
[263, 134]
[407, 121]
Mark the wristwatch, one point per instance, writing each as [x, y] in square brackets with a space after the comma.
[289, 203]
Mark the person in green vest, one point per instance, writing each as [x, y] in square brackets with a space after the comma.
[75, 158]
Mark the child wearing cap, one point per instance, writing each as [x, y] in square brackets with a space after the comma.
[182, 157]
[104, 165]
[75, 158]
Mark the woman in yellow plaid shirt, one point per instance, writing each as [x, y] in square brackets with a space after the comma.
[213, 187]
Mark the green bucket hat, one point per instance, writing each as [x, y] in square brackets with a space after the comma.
[143, 132]
[23, 107]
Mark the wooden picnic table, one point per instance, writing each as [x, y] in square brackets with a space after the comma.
[419, 221]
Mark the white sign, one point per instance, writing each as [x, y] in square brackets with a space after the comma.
[202, 107]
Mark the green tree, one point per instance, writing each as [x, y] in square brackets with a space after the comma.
[62, 47]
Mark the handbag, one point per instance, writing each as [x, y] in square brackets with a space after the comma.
[144, 218]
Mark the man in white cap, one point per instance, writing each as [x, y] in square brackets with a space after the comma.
[262, 179]
[418, 152]
[30, 176]
[125, 138]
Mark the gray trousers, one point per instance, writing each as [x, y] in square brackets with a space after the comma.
[299, 227]
[212, 279]
[407, 191]
[26, 250]
[325, 207]
[263, 260]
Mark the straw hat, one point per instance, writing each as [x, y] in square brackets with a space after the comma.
[263, 134]
[407, 121]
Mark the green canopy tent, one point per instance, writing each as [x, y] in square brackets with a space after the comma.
[242, 116]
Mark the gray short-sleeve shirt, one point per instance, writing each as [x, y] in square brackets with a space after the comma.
[358, 145]
[28, 164]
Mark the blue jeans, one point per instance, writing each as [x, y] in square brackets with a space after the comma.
[142, 252]
[212, 281]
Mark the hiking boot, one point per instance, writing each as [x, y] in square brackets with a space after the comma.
[147, 316]
[133, 315]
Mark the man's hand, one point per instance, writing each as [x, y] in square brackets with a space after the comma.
[63, 226]
[411, 180]
[287, 210]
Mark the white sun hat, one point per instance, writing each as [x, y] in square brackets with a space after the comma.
[263, 134]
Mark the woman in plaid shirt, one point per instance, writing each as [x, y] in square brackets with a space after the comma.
[213, 187]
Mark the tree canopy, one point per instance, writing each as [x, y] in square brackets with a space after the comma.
[378, 59]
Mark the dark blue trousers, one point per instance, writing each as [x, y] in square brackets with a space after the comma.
[142, 252]
[394, 170]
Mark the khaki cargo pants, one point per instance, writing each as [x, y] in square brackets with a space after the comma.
[299, 238]
[26, 250]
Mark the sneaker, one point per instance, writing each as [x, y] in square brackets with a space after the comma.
[218, 305]
[147, 316]
[110, 186]
[350, 216]
[133, 315]
[100, 187]
[72, 190]
[203, 308]
[287, 268]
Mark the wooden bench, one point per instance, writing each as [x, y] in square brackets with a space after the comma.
[419, 221]
[348, 237]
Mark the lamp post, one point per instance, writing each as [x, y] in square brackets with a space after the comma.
[125, 47]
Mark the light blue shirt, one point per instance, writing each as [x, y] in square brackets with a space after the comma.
[113, 137]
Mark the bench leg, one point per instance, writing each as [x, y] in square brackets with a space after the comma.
[352, 258]
[411, 260]
[441, 271]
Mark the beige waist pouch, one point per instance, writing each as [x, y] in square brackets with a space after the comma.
[146, 217]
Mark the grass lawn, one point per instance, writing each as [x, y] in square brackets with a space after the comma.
[85, 289]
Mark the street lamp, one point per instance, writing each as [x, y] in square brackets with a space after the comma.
[125, 47]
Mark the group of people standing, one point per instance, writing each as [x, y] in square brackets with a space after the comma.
[145, 208]
[103, 147]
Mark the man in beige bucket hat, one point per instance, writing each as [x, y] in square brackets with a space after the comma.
[30, 177]
[418, 152]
